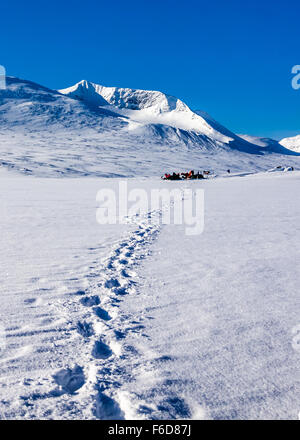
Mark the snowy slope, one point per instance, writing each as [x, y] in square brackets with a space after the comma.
[247, 143]
[34, 107]
[292, 143]
[268, 144]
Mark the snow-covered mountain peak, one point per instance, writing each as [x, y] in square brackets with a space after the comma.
[85, 91]
[292, 143]
[126, 98]
[145, 107]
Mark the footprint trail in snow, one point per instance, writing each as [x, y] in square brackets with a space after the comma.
[105, 328]
[109, 346]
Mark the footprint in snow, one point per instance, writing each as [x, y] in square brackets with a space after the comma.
[121, 291]
[102, 314]
[101, 350]
[90, 301]
[70, 380]
[30, 301]
[107, 409]
[125, 274]
[120, 335]
[112, 283]
[85, 329]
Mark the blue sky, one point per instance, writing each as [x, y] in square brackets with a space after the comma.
[232, 59]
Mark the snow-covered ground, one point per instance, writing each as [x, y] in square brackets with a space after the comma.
[140, 320]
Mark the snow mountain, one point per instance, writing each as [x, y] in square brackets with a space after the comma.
[89, 129]
[153, 107]
[145, 107]
[243, 140]
[292, 143]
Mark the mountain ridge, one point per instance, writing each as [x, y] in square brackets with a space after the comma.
[49, 133]
[155, 107]
[292, 143]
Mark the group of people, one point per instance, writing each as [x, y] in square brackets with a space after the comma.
[185, 176]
